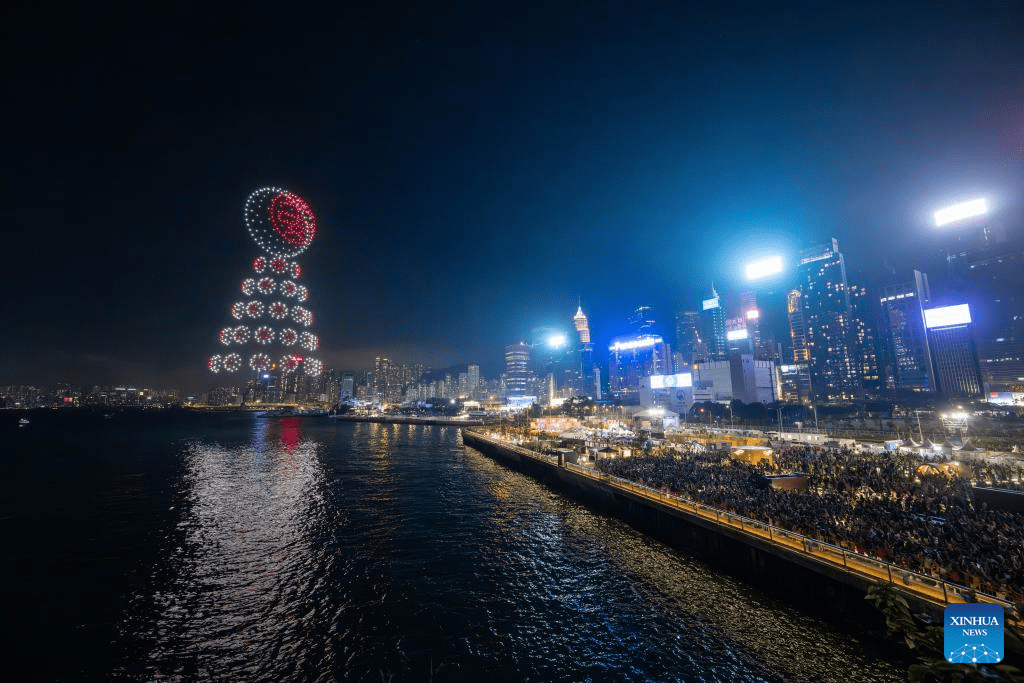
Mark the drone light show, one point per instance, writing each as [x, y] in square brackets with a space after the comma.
[282, 225]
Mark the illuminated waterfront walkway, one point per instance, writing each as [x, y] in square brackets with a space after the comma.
[814, 553]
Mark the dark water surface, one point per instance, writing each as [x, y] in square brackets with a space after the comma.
[229, 547]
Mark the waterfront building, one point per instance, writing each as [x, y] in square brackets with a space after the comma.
[742, 377]
[954, 354]
[864, 340]
[518, 376]
[633, 357]
[794, 382]
[673, 392]
[585, 352]
[473, 379]
[907, 358]
[826, 317]
[689, 342]
[713, 327]
[992, 284]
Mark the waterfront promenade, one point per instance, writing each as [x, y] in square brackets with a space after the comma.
[852, 568]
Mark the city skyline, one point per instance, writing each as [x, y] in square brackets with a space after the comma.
[481, 184]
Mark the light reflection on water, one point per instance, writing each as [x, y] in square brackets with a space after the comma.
[245, 580]
[313, 551]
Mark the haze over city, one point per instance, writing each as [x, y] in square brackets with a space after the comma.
[476, 172]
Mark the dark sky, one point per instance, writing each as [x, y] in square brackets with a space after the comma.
[475, 168]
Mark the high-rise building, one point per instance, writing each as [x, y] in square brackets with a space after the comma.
[954, 355]
[906, 358]
[473, 375]
[585, 352]
[825, 297]
[633, 357]
[518, 376]
[992, 285]
[688, 337]
[864, 340]
[713, 327]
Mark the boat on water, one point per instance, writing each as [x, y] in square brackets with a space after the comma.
[23, 422]
[311, 412]
[277, 412]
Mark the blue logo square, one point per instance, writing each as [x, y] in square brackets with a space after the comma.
[973, 633]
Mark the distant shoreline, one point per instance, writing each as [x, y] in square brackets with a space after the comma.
[410, 419]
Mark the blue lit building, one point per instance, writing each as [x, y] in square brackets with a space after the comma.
[633, 357]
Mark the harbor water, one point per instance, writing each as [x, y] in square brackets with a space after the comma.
[226, 546]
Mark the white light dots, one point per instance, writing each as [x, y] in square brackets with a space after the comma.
[281, 223]
[232, 362]
[302, 316]
[267, 285]
[309, 341]
[264, 335]
[268, 323]
[278, 310]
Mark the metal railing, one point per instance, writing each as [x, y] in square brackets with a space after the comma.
[938, 591]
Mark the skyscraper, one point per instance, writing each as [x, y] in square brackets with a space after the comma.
[825, 297]
[954, 355]
[633, 357]
[907, 358]
[585, 352]
[689, 341]
[713, 327]
[473, 373]
[518, 376]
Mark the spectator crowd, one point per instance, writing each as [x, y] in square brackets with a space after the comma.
[894, 507]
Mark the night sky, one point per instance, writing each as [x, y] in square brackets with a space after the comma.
[475, 169]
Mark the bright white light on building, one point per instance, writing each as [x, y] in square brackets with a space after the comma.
[710, 303]
[958, 212]
[635, 343]
[734, 335]
[682, 379]
[557, 341]
[947, 316]
[767, 267]
[753, 314]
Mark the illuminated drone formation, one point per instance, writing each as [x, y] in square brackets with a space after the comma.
[270, 330]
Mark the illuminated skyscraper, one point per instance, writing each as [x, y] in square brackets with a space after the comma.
[689, 340]
[907, 358]
[954, 355]
[518, 376]
[585, 352]
[825, 297]
[713, 327]
[473, 374]
[633, 357]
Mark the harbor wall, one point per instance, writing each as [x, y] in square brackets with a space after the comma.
[797, 574]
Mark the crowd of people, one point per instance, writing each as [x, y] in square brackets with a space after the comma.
[894, 507]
